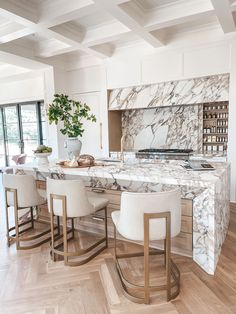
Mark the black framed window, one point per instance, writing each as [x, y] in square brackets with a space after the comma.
[22, 129]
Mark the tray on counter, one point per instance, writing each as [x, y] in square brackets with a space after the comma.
[79, 166]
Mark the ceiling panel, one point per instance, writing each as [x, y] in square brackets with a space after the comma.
[93, 20]
[151, 4]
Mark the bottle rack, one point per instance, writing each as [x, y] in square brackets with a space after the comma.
[215, 127]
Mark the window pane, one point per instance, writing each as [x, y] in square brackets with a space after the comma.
[43, 113]
[30, 131]
[28, 113]
[1, 129]
[29, 146]
[2, 154]
[44, 130]
[12, 131]
[13, 147]
[11, 114]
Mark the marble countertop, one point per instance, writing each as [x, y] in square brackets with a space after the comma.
[166, 172]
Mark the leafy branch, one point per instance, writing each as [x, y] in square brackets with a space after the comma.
[71, 113]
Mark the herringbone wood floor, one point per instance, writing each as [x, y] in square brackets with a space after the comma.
[31, 283]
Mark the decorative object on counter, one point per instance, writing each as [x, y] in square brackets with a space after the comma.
[86, 161]
[42, 153]
[70, 113]
[83, 161]
[19, 159]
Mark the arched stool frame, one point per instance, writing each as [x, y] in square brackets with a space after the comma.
[18, 236]
[65, 253]
[171, 268]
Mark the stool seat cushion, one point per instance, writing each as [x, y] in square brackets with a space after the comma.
[77, 202]
[98, 202]
[27, 193]
[129, 221]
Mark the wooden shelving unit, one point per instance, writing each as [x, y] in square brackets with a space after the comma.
[215, 127]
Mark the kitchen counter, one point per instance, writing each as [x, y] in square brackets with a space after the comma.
[209, 191]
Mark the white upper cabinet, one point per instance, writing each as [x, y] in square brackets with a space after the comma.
[92, 138]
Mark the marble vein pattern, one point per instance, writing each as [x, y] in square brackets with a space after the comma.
[209, 191]
[173, 93]
[170, 127]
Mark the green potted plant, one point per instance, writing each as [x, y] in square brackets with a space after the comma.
[70, 113]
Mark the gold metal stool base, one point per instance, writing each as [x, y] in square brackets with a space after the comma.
[19, 231]
[172, 271]
[78, 253]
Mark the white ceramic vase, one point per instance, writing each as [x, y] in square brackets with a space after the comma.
[42, 158]
[73, 147]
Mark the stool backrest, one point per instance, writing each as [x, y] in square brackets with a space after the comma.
[77, 204]
[27, 193]
[133, 207]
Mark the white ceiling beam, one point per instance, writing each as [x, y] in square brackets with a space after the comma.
[48, 33]
[16, 35]
[224, 14]
[178, 13]
[52, 14]
[124, 17]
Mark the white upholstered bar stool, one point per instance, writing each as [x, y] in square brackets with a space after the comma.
[68, 199]
[146, 217]
[21, 194]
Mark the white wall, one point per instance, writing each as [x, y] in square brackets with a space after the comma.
[22, 91]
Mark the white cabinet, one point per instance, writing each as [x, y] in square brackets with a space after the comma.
[92, 139]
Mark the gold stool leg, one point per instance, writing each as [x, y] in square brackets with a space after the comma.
[168, 257]
[7, 221]
[58, 225]
[52, 229]
[146, 261]
[32, 217]
[106, 235]
[65, 230]
[73, 228]
[16, 220]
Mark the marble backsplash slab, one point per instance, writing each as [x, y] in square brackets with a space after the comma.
[173, 93]
[170, 127]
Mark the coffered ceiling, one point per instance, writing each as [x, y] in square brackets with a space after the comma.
[45, 29]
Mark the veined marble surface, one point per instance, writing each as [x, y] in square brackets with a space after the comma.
[170, 127]
[208, 189]
[173, 93]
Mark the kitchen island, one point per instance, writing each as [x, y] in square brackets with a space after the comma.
[208, 191]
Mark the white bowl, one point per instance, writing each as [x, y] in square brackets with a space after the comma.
[42, 158]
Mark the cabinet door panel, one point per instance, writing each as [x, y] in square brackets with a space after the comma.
[92, 136]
